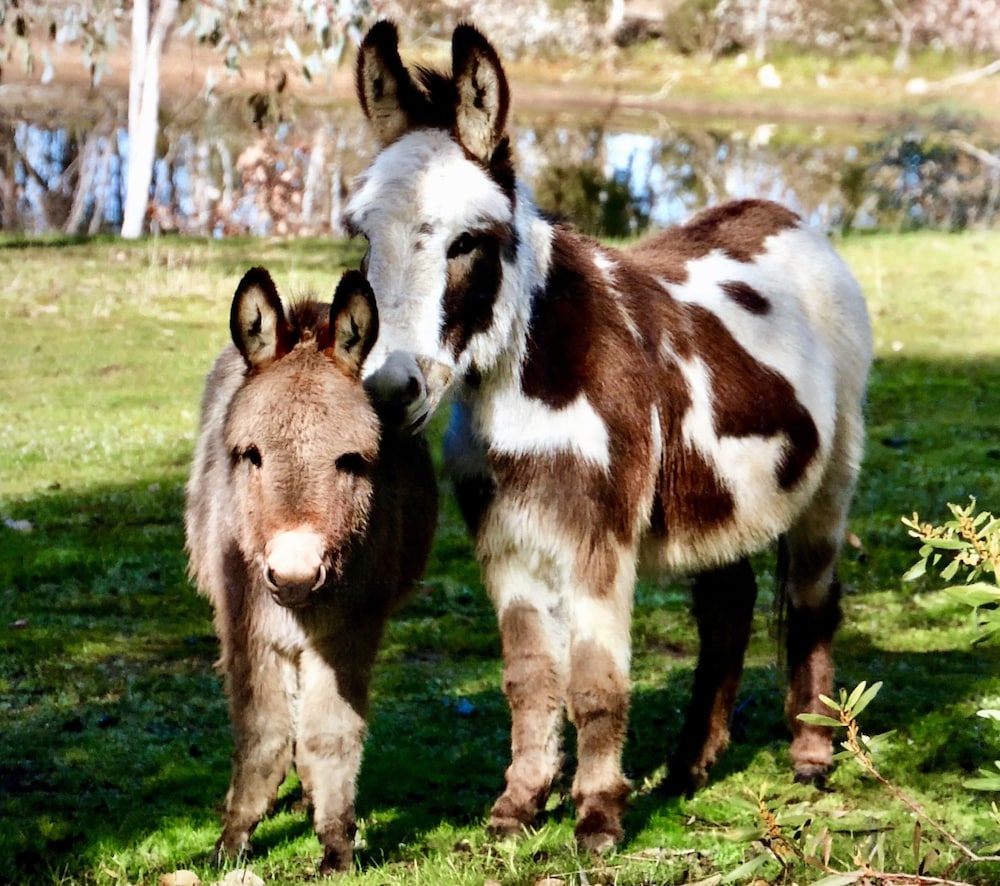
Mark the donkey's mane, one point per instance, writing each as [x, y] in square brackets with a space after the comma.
[438, 98]
[308, 319]
[433, 105]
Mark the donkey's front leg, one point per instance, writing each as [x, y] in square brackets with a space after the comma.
[533, 638]
[257, 685]
[328, 751]
[598, 695]
[723, 601]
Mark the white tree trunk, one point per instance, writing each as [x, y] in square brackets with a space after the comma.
[144, 108]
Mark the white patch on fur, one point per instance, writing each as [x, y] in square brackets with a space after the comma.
[418, 195]
[527, 559]
[519, 425]
[607, 265]
[603, 616]
[656, 434]
[812, 326]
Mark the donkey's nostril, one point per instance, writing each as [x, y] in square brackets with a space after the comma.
[320, 578]
[270, 578]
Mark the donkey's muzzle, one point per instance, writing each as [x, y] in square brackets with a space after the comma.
[294, 567]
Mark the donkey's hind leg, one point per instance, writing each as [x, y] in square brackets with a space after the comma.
[811, 592]
[723, 601]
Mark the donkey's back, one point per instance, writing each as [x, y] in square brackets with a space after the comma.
[762, 341]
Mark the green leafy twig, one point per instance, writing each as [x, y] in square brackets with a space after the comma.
[969, 542]
[859, 747]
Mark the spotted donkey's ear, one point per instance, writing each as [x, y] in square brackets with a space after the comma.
[483, 94]
[384, 86]
[257, 320]
[353, 321]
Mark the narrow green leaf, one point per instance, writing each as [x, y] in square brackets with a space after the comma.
[978, 594]
[819, 720]
[866, 699]
[947, 544]
[991, 527]
[840, 879]
[747, 868]
[950, 571]
[852, 699]
[829, 702]
[917, 570]
[990, 783]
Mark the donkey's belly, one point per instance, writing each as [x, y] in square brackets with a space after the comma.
[759, 512]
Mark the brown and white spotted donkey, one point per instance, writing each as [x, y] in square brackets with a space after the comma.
[305, 527]
[677, 405]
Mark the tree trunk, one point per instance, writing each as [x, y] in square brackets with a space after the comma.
[144, 108]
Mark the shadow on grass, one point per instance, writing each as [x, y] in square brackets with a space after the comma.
[113, 724]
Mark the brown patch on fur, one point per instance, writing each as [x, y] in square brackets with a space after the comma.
[556, 365]
[739, 229]
[472, 286]
[598, 697]
[689, 492]
[752, 400]
[746, 297]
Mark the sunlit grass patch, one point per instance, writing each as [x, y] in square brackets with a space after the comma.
[114, 737]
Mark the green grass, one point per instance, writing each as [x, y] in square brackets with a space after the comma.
[114, 741]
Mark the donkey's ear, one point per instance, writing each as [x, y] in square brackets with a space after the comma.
[483, 93]
[257, 320]
[353, 321]
[383, 84]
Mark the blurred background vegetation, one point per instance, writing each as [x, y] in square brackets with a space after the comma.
[865, 114]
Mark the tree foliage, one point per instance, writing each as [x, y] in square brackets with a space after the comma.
[311, 33]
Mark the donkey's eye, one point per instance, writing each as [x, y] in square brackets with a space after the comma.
[463, 244]
[251, 454]
[354, 463]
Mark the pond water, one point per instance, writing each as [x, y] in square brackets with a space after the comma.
[615, 175]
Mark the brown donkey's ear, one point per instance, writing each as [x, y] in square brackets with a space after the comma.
[383, 84]
[353, 321]
[483, 93]
[257, 320]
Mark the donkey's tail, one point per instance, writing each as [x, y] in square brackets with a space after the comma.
[781, 601]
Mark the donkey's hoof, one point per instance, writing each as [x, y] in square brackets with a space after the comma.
[508, 819]
[224, 853]
[336, 860]
[598, 833]
[682, 781]
[812, 774]
[504, 827]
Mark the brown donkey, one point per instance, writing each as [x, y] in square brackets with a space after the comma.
[673, 406]
[305, 528]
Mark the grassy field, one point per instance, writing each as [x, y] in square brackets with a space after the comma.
[114, 741]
